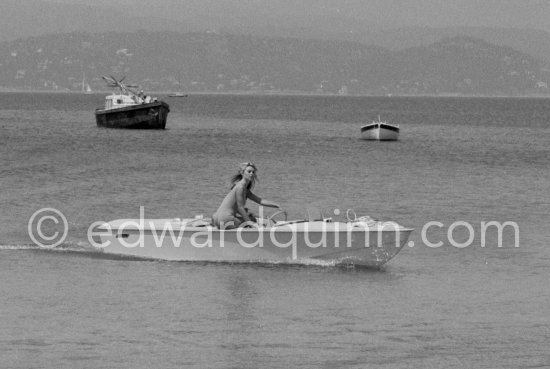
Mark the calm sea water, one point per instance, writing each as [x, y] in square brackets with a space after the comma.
[458, 160]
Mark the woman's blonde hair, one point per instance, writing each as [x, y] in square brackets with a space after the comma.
[237, 177]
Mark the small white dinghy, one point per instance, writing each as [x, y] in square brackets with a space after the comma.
[381, 131]
[358, 241]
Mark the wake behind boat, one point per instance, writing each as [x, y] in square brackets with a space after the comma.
[358, 241]
[130, 109]
[378, 130]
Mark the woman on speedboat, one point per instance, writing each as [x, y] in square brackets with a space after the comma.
[232, 212]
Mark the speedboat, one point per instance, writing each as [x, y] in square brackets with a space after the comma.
[378, 130]
[131, 109]
[359, 241]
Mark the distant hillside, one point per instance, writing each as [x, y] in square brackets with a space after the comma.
[529, 41]
[20, 19]
[158, 61]
[267, 18]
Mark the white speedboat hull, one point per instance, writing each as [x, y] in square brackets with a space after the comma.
[299, 242]
[381, 131]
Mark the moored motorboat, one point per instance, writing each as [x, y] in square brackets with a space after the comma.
[130, 109]
[378, 130]
[360, 241]
[177, 94]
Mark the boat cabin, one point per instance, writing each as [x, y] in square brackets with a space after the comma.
[115, 101]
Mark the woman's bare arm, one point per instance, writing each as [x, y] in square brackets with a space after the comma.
[262, 202]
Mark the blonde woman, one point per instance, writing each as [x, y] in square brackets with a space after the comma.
[232, 211]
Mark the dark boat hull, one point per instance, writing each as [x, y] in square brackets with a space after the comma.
[143, 116]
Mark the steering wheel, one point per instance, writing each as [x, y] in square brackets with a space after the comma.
[271, 219]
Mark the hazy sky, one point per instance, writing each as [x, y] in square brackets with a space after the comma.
[391, 13]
